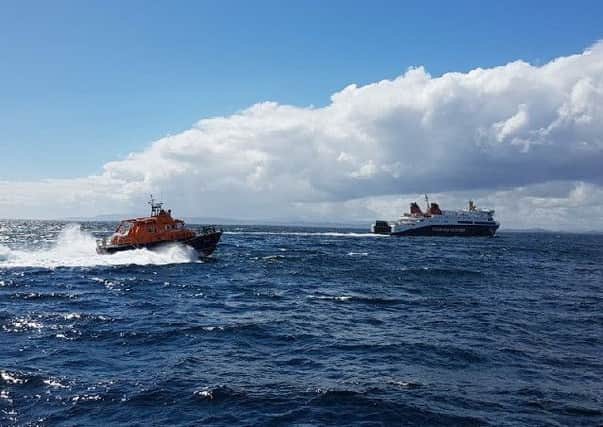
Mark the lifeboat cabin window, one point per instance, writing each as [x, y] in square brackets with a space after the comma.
[123, 228]
[151, 229]
[179, 225]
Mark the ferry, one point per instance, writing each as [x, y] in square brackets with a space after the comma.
[436, 222]
[156, 230]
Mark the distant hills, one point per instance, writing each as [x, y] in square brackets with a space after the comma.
[361, 225]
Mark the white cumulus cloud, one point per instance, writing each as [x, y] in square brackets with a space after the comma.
[503, 134]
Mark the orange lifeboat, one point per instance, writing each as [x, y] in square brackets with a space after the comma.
[158, 229]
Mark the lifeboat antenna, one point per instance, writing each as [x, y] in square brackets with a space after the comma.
[155, 207]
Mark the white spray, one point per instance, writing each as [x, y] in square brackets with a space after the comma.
[77, 248]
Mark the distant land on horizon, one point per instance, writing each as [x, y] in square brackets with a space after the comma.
[360, 225]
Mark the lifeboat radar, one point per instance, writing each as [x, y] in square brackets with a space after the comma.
[156, 207]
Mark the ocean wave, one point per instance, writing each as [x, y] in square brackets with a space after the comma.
[431, 354]
[253, 329]
[358, 299]
[218, 393]
[54, 383]
[405, 384]
[43, 296]
[13, 378]
[268, 295]
[31, 380]
[561, 408]
[23, 324]
[442, 271]
[330, 297]
[273, 257]
[359, 407]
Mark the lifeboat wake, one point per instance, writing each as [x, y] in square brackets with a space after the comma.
[77, 248]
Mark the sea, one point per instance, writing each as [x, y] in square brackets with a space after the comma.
[300, 326]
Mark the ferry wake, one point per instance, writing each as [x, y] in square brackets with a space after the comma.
[156, 230]
[436, 222]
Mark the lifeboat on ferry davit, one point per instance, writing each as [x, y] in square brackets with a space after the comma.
[156, 230]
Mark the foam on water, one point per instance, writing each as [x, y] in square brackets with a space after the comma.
[77, 248]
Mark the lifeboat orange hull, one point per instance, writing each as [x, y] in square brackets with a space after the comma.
[204, 243]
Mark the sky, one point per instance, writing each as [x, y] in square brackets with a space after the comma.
[302, 110]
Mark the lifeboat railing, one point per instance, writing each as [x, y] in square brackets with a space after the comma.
[208, 229]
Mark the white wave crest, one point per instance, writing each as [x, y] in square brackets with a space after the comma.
[331, 297]
[77, 248]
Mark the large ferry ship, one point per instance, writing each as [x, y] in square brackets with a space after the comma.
[436, 222]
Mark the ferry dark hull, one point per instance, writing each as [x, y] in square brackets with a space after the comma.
[450, 230]
[205, 244]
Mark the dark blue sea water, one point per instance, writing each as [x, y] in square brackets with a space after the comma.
[298, 326]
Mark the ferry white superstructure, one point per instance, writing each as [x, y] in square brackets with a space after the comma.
[436, 222]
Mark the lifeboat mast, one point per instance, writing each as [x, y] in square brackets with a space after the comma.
[156, 207]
